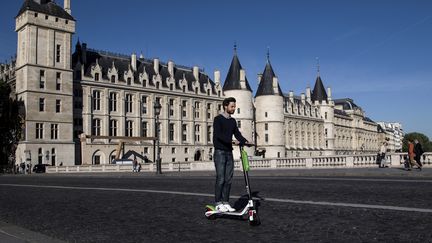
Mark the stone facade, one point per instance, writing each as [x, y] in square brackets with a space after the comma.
[99, 93]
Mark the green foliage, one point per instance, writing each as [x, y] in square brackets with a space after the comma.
[423, 140]
[10, 126]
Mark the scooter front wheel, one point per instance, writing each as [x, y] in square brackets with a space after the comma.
[254, 219]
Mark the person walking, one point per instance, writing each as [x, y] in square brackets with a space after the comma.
[411, 155]
[224, 127]
[418, 150]
[382, 154]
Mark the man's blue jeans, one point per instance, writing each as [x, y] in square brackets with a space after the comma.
[224, 163]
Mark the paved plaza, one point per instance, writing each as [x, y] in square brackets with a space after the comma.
[328, 205]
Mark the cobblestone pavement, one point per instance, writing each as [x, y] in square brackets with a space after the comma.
[90, 215]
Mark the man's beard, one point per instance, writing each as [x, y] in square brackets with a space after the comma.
[230, 112]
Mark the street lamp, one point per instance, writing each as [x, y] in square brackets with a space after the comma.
[157, 109]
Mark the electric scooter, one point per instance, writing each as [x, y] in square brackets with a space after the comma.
[249, 210]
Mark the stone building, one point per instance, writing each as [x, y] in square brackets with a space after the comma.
[99, 93]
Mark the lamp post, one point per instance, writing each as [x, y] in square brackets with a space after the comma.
[157, 109]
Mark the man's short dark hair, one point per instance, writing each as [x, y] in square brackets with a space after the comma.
[228, 100]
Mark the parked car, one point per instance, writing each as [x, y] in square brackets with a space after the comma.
[39, 168]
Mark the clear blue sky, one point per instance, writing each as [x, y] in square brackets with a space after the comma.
[377, 52]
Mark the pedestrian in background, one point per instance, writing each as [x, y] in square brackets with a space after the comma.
[411, 155]
[418, 150]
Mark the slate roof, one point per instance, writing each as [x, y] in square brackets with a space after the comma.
[46, 7]
[265, 86]
[319, 93]
[347, 104]
[88, 57]
[340, 112]
[232, 81]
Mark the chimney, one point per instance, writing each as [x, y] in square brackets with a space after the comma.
[67, 6]
[196, 72]
[275, 85]
[156, 65]
[303, 97]
[291, 94]
[217, 77]
[308, 94]
[171, 68]
[242, 79]
[259, 77]
[329, 94]
[134, 62]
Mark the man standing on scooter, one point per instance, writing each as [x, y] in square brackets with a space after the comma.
[224, 127]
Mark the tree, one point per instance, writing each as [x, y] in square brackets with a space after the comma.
[10, 126]
[423, 140]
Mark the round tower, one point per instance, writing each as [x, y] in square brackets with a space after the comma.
[270, 115]
[236, 85]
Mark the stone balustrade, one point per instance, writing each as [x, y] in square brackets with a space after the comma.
[336, 161]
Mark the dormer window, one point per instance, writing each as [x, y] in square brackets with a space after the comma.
[56, 19]
[196, 90]
[184, 88]
[96, 77]
[36, 14]
[67, 21]
[46, 16]
[129, 80]
[112, 78]
[157, 85]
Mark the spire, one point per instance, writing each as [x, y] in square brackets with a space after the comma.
[265, 86]
[232, 81]
[319, 92]
[268, 54]
[318, 66]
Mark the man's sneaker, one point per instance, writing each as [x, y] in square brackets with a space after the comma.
[221, 208]
[230, 209]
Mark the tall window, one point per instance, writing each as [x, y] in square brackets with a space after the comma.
[171, 132]
[96, 127]
[113, 102]
[42, 79]
[266, 126]
[58, 53]
[209, 134]
[58, 106]
[197, 133]
[96, 100]
[58, 81]
[53, 156]
[129, 81]
[266, 138]
[238, 110]
[96, 77]
[197, 109]
[40, 155]
[41, 104]
[39, 130]
[128, 103]
[184, 132]
[171, 107]
[113, 78]
[144, 129]
[239, 124]
[113, 127]
[144, 104]
[129, 129]
[209, 108]
[54, 131]
[184, 108]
